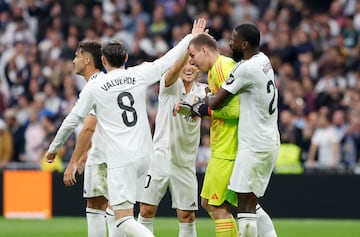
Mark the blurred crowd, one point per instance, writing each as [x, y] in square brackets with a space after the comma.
[314, 47]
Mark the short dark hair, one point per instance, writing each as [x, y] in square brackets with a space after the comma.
[249, 33]
[115, 53]
[94, 49]
[204, 39]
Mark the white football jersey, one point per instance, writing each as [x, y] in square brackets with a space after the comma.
[253, 79]
[118, 99]
[179, 135]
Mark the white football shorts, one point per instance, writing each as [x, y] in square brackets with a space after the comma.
[126, 183]
[181, 181]
[95, 183]
[252, 171]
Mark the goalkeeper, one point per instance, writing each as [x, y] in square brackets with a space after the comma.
[215, 198]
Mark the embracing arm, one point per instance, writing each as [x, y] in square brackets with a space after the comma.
[218, 100]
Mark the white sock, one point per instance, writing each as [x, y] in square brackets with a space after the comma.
[147, 222]
[264, 223]
[96, 222]
[110, 219]
[132, 228]
[247, 224]
[187, 229]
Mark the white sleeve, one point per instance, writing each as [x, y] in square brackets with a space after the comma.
[169, 90]
[153, 71]
[67, 127]
[238, 80]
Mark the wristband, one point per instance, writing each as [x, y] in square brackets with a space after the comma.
[204, 110]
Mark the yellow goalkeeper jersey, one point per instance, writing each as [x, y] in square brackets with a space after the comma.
[224, 121]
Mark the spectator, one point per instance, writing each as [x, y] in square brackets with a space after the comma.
[6, 145]
[326, 140]
[17, 132]
[34, 138]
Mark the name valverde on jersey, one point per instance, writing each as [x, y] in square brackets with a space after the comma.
[118, 82]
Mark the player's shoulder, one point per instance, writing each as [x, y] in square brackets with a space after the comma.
[226, 60]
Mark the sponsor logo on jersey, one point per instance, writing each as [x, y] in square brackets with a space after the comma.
[230, 80]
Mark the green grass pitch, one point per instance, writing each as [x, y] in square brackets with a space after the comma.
[167, 227]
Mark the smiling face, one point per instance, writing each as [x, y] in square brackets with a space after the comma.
[189, 72]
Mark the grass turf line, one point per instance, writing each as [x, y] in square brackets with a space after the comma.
[168, 227]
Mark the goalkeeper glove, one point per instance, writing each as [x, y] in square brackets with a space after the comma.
[199, 109]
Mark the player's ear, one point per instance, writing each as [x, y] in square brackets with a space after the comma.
[103, 60]
[204, 50]
[126, 58]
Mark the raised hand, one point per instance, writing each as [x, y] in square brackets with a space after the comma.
[199, 27]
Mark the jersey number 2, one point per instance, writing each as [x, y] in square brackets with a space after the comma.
[127, 109]
[271, 84]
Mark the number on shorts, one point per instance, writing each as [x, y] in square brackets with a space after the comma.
[147, 181]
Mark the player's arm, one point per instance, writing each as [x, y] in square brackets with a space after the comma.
[65, 130]
[229, 109]
[173, 74]
[212, 106]
[218, 100]
[77, 114]
[82, 146]
[163, 64]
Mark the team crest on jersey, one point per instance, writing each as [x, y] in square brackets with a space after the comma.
[196, 99]
[230, 80]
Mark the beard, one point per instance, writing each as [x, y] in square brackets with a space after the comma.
[237, 55]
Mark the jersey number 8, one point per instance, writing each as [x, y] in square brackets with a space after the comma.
[127, 109]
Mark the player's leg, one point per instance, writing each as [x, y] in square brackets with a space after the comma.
[122, 195]
[264, 223]
[95, 188]
[147, 215]
[156, 181]
[246, 216]
[251, 175]
[213, 194]
[111, 226]
[183, 187]
[125, 222]
[187, 227]
[95, 216]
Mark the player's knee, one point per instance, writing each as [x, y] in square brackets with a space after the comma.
[99, 203]
[186, 216]
[147, 211]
